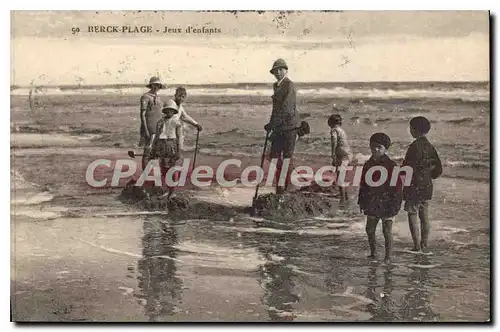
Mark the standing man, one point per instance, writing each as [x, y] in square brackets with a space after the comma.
[284, 121]
[151, 113]
[179, 98]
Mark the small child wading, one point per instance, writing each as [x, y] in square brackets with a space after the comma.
[382, 201]
[341, 151]
[166, 143]
[426, 165]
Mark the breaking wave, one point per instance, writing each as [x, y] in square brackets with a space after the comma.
[469, 93]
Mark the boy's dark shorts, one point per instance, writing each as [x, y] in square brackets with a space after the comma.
[372, 219]
[283, 142]
[414, 206]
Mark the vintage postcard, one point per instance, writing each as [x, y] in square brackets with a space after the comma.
[250, 166]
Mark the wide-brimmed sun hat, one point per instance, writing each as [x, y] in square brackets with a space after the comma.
[170, 105]
[155, 80]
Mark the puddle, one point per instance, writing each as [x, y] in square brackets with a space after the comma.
[22, 140]
[145, 266]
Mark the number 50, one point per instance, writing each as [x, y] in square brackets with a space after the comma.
[75, 30]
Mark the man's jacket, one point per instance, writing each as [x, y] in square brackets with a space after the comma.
[284, 116]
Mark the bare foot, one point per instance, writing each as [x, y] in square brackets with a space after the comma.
[387, 260]
[372, 256]
[416, 249]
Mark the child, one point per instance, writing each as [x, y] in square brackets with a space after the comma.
[379, 202]
[150, 113]
[166, 143]
[341, 152]
[426, 165]
[179, 98]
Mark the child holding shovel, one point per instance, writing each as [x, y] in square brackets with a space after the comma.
[166, 143]
[341, 151]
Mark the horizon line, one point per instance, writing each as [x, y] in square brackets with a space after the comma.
[124, 85]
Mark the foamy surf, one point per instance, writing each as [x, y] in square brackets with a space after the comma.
[265, 230]
[206, 255]
[465, 94]
[31, 198]
[121, 252]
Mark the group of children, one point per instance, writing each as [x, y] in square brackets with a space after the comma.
[376, 202]
[162, 128]
[384, 202]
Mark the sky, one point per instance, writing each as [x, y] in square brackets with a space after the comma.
[318, 46]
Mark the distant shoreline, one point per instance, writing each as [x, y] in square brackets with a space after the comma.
[250, 85]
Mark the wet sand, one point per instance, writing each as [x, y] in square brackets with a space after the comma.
[79, 257]
[79, 254]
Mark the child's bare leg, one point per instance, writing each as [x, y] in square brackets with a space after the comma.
[171, 163]
[342, 188]
[165, 165]
[414, 230]
[387, 230]
[423, 213]
[343, 194]
[371, 227]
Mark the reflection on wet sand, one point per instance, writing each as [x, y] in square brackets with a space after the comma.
[276, 276]
[161, 287]
[416, 303]
[413, 306]
[303, 277]
[383, 308]
[336, 274]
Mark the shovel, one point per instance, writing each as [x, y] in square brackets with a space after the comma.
[196, 148]
[132, 154]
[253, 212]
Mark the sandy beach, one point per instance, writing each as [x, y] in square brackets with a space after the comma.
[79, 254]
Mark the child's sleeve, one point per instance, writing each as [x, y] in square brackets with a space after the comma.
[412, 156]
[362, 189]
[437, 167]
[396, 191]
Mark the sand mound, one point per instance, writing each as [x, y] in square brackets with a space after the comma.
[308, 202]
[182, 205]
[316, 188]
[151, 198]
[294, 205]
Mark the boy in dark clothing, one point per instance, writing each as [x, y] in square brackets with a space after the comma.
[379, 202]
[284, 121]
[426, 165]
